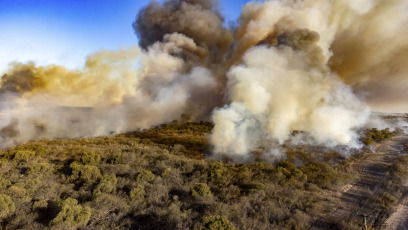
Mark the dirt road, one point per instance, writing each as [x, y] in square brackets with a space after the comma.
[399, 219]
[361, 198]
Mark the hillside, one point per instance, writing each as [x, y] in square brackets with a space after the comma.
[161, 179]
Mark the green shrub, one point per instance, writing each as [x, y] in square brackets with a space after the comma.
[23, 155]
[41, 204]
[200, 190]
[228, 193]
[6, 206]
[291, 172]
[107, 205]
[166, 172]
[386, 200]
[31, 185]
[4, 183]
[40, 150]
[244, 174]
[90, 158]
[367, 140]
[71, 214]
[85, 173]
[260, 186]
[216, 171]
[145, 175]
[321, 174]
[375, 135]
[107, 185]
[137, 193]
[217, 223]
[18, 190]
[42, 168]
[115, 159]
[299, 220]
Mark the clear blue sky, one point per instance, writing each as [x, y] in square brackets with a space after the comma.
[65, 31]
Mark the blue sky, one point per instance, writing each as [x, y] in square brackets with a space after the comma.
[65, 31]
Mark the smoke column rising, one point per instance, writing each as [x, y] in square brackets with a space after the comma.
[286, 66]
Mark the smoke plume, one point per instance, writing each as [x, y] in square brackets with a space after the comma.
[312, 66]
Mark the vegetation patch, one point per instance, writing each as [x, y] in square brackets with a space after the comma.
[158, 179]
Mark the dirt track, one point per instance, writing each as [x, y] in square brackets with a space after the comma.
[360, 198]
[399, 219]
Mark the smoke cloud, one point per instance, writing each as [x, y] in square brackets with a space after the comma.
[196, 19]
[313, 67]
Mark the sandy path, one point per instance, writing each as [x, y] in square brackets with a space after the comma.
[360, 197]
[399, 219]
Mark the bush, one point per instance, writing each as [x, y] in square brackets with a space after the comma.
[367, 140]
[23, 155]
[108, 207]
[217, 223]
[115, 159]
[137, 193]
[85, 173]
[299, 220]
[71, 214]
[4, 183]
[40, 150]
[145, 175]
[107, 185]
[321, 174]
[291, 172]
[200, 190]
[7, 206]
[375, 135]
[90, 158]
[18, 190]
[41, 204]
[216, 171]
[386, 200]
[166, 172]
[41, 168]
[31, 185]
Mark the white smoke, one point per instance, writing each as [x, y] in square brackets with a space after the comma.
[290, 72]
[274, 92]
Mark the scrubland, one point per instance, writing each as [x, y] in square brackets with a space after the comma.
[162, 178]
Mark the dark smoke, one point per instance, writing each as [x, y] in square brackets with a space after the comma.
[199, 20]
[22, 80]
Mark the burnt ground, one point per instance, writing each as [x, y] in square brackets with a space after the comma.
[363, 196]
